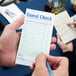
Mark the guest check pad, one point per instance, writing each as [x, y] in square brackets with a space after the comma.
[36, 36]
[66, 33]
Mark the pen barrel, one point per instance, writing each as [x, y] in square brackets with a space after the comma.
[49, 69]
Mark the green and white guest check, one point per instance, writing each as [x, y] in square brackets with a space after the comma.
[36, 36]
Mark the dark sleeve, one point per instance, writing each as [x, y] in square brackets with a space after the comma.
[72, 62]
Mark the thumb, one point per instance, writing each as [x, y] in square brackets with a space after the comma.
[53, 59]
[58, 39]
[15, 25]
[41, 59]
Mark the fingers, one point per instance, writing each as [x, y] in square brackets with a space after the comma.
[39, 61]
[53, 59]
[58, 38]
[64, 47]
[53, 40]
[59, 41]
[41, 58]
[32, 67]
[52, 47]
[56, 61]
[70, 46]
[72, 24]
[15, 25]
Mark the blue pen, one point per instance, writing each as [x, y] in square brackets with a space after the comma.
[49, 69]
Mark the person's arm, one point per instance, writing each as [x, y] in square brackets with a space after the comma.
[9, 41]
[67, 50]
[72, 62]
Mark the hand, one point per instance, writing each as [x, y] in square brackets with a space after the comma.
[72, 23]
[59, 66]
[64, 47]
[39, 67]
[9, 41]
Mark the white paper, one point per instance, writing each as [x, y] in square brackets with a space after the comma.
[11, 12]
[66, 33]
[35, 37]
